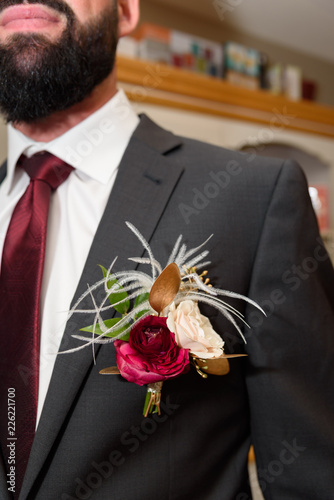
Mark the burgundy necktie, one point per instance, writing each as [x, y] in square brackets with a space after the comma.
[20, 286]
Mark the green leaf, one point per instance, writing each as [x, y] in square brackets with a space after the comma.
[116, 297]
[147, 401]
[141, 313]
[109, 323]
[149, 407]
[141, 298]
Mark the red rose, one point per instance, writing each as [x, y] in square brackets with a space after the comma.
[151, 355]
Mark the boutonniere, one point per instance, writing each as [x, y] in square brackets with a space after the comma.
[160, 332]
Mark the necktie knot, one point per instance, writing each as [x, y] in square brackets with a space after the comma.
[46, 167]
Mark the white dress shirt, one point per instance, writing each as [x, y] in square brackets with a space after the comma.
[94, 148]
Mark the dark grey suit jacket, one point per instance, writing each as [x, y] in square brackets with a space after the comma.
[92, 441]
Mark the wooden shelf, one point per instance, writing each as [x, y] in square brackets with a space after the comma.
[165, 85]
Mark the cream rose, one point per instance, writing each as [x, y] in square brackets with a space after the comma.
[194, 331]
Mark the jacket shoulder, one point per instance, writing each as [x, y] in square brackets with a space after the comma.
[200, 158]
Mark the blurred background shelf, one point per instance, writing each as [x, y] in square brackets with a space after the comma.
[160, 84]
[213, 110]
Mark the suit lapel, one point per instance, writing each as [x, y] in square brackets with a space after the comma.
[143, 186]
[3, 171]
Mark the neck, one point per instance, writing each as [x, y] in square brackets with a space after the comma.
[51, 127]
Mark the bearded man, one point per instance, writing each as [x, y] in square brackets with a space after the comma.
[66, 432]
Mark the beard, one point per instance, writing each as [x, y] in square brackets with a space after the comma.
[39, 77]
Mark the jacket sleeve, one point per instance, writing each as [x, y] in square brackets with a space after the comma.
[290, 376]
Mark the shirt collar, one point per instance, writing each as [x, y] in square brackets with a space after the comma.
[94, 147]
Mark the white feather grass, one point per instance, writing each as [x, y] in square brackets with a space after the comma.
[138, 282]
